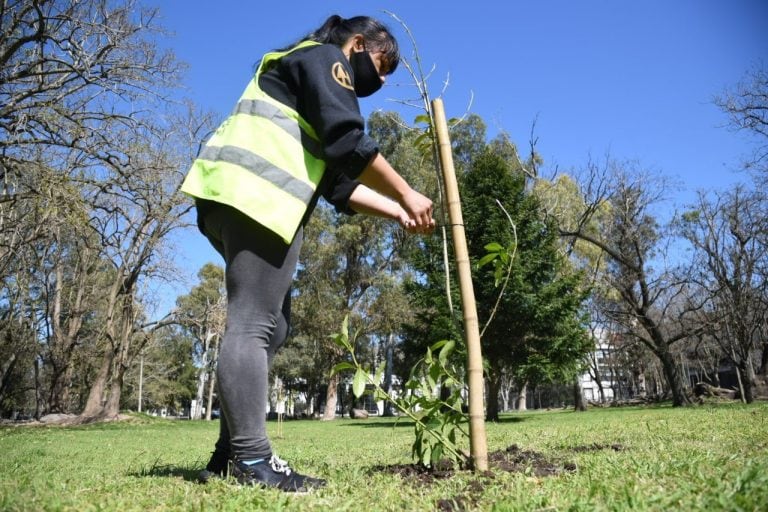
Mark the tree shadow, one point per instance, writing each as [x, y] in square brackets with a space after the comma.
[509, 419]
[381, 423]
[189, 474]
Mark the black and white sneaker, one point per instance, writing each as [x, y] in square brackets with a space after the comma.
[273, 473]
[216, 468]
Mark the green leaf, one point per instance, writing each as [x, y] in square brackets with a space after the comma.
[416, 448]
[341, 367]
[342, 338]
[338, 339]
[379, 373]
[446, 351]
[486, 259]
[345, 327]
[423, 118]
[425, 453]
[359, 382]
[434, 375]
[413, 384]
[426, 390]
[494, 247]
[438, 345]
[422, 139]
[437, 453]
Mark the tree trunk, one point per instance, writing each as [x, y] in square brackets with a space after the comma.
[57, 387]
[64, 398]
[112, 407]
[93, 406]
[38, 390]
[521, 398]
[387, 385]
[494, 384]
[141, 383]
[578, 396]
[504, 394]
[763, 370]
[331, 396]
[121, 363]
[60, 387]
[211, 387]
[600, 389]
[5, 372]
[66, 329]
[672, 376]
[122, 342]
[197, 412]
[747, 382]
[202, 376]
[741, 384]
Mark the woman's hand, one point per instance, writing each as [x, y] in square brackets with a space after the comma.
[419, 211]
[367, 201]
[407, 223]
[380, 176]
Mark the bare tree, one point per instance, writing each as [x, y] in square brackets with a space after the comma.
[67, 71]
[81, 87]
[728, 230]
[202, 313]
[133, 216]
[70, 66]
[634, 244]
[746, 105]
[72, 286]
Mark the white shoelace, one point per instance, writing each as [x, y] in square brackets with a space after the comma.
[279, 465]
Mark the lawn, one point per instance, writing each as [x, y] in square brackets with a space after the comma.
[712, 457]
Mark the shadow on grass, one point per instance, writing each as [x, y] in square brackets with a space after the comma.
[510, 419]
[168, 470]
[379, 424]
[376, 423]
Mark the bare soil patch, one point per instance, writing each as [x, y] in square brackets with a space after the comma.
[512, 459]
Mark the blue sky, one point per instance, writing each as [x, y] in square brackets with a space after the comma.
[633, 79]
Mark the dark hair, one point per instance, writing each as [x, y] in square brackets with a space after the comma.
[336, 30]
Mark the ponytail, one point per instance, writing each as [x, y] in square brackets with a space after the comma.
[327, 30]
[337, 30]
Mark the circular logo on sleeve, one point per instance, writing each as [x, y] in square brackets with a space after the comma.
[341, 76]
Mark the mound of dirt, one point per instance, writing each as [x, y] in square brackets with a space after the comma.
[512, 459]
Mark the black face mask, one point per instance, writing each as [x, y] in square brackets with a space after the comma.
[367, 79]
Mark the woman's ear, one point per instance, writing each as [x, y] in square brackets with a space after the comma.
[358, 43]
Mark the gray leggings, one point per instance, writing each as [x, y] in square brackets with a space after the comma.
[259, 272]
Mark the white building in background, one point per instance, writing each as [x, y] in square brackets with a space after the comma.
[603, 371]
[589, 384]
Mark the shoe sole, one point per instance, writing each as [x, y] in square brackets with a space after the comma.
[262, 485]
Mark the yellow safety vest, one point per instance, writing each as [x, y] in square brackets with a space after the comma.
[264, 159]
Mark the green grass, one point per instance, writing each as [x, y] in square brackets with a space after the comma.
[702, 458]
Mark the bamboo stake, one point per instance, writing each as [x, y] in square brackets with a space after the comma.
[477, 439]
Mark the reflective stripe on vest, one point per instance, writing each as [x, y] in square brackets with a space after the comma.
[264, 159]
